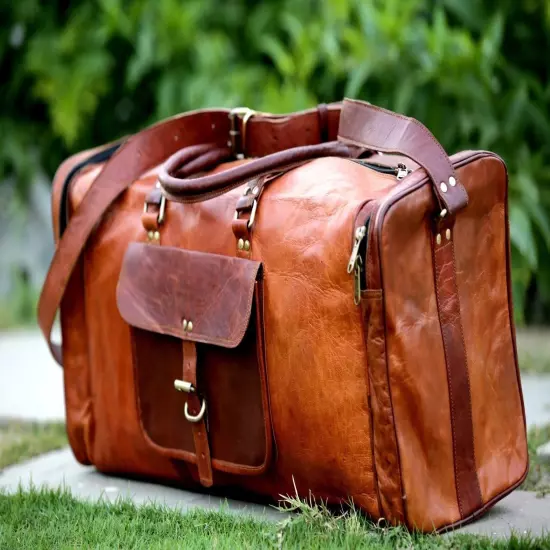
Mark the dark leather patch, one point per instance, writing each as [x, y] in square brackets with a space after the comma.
[160, 286]
[448, 305]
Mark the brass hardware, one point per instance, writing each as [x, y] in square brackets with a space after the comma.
[199, 416]
[443, 187]
[402, 171]
[246, 114]
[448, 234]
[190, 326]
[150, 235]
[162, 207]
[156, 235]
[255, 190]
[184, 324]
[182, 385]
[252, 213]
[438, 239]
[452, 181]
[443, 213]
[247, 245]
[360, 233]
[240, 244]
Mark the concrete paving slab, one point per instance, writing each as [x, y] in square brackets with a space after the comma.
[520, 512]
[60, 469]
[31, 384]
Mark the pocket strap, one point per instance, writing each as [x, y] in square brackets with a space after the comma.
[195, 413]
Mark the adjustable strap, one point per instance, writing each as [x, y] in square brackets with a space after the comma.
[448, 307]
[195, 412]
[149, 148]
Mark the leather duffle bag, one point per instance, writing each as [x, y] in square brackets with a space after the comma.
[315, 303]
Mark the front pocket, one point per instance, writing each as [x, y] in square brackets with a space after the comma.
[159, 287]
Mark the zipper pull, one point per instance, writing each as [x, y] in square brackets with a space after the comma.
[402, 171]
[357, 281]
[360, 233]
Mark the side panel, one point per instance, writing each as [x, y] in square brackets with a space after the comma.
[418, 379]
[481, 247]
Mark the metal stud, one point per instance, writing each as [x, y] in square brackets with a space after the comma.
[189, 326]
[443, 213]
[240, 244]
[448, 234]
[452, 181]
[184, 324]
[438, 239]
[443, 186]
[150, 235]
[247, 245]
[156, 235]
[255, 190]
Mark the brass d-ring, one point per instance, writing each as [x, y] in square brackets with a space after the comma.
[199, 416]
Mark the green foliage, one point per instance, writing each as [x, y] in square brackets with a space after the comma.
[476, 72]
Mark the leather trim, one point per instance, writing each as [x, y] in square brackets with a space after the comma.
[194, 402]
[160, 286]
[448, 305]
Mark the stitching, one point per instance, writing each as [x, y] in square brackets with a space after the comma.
[447, 367]
[469, 412]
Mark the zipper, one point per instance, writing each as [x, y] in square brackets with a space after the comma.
[399, 171]
[358, 258]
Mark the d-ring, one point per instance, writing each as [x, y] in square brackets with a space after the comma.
[199, 416]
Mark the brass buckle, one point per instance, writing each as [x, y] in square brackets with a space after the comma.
[187, 387]
[247, 191]
[245, 114]
[162, 207]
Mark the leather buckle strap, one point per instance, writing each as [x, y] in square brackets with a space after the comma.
[237, 137]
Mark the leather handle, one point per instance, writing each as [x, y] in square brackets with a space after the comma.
[194, 159]
[365, 125]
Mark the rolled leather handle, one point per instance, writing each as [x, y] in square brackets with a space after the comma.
[175, 180]
[364, 125]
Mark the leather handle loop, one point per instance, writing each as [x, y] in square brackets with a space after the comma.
[197, 158]
[365, 125]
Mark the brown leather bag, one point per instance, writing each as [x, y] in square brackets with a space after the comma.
[268, 302]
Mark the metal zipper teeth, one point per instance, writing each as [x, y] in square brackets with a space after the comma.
[458, 160]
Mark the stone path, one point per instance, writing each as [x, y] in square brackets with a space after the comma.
[32, 388]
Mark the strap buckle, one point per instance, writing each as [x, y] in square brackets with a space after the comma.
[162, 205]
[187, 387]
[237, 138]
[249, 190]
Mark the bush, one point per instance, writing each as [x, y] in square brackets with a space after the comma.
[474, 71]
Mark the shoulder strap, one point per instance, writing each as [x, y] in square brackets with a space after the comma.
[149, 148]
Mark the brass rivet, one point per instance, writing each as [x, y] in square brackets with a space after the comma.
[438, 239]
[156, 235]
[184, 324]
[247, 245]
[443, 213]
[189, 326]
[150, 235]
[443, 187]
[255, 190]
[448, 234]
[452, 181]
[240, 244]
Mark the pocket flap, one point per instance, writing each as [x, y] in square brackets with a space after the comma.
[160, 286]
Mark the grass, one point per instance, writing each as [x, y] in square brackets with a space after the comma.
[22, 440]
[44, 519]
